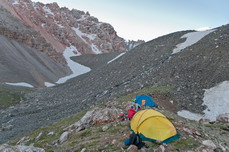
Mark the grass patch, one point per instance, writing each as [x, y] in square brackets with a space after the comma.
[85, 133]
[183, 143]
[11, 95]
[219, 126]
[46, 139]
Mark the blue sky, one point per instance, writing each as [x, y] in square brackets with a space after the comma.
[148, 19]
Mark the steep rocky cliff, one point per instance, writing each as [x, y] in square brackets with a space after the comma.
[13, 29]
[62, 27]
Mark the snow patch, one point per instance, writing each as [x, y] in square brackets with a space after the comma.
[189, 115]
[77, 69]
[61, 26]
[48, 84]
[23, 84]
[116, 57]
[83, 17]
[15, 2]
[95, 49]
[90, 37]
[191, 38]
[203, 29]
[81, 34]
[47, 10]
[43, 24]
[34, 4]
[217, 101]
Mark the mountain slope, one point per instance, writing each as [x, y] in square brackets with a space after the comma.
[150, 64]
[100, 134]
[16, 60]
[25, 55]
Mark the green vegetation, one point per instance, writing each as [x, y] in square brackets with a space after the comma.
[45, 139]
[219, 126]
[94, 139]
[11, 95]
[185, 143]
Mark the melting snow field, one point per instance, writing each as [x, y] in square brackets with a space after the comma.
[217, 101]
[23, 84]
[76, 68]
[191, 38]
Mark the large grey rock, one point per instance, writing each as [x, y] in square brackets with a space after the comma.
[95, 117]
[19, 148]
[224, 118]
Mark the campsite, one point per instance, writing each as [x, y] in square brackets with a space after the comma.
[110, 135]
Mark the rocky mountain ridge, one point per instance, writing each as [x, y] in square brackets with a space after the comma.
[62, 27]
[14, 29]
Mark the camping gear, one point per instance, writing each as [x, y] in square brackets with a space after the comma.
[144, 100]
[131, 112]
[134, 139]
[153, 126]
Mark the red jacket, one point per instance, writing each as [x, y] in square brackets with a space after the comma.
[131, 113]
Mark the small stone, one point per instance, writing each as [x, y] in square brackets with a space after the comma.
[114, 142]
[161, 148]
[84, 150]
[132, 148]
[188, 131]
[106, 127]
[39, 136]
[64, 137]
[50, 133]
[197, 133]
[204, 121]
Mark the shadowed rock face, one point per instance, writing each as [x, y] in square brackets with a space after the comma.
[26, 56]
[18, 63]
[62, 27]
